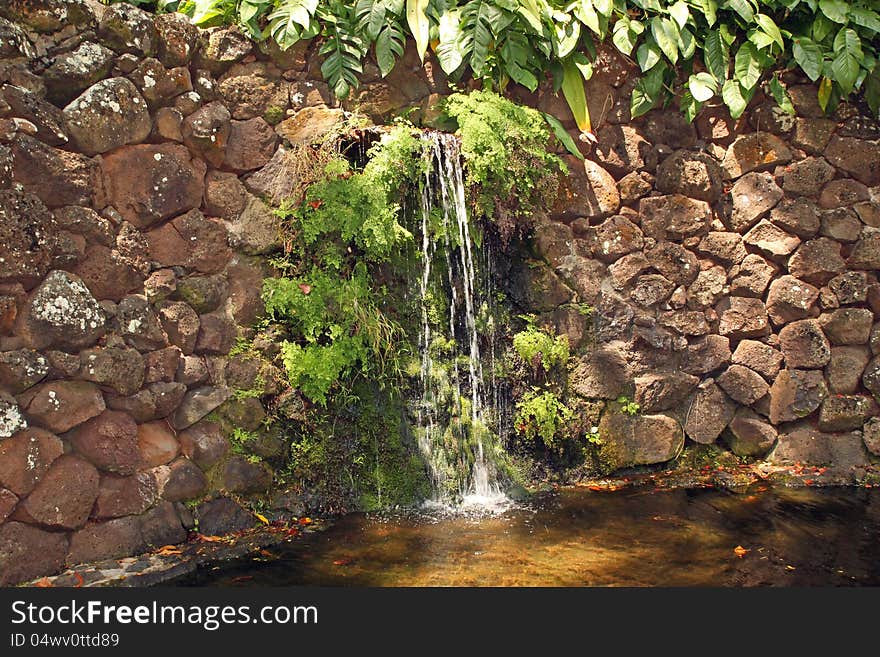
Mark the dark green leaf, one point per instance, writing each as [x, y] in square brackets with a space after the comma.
[746, 65]
[835, 10]
[666, 35]
[715, 55]
[780, 95]
[809, 57]
[562, 135]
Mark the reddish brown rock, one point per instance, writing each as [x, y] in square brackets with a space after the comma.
[817, 261]
[771, 240]
[751, 277]
[157, 444]
[156, 401]
[804, 345]
[57, 177]
[812, 135]
[704, 292]
[866, 253]
[21, 369]
[846, 412]
[310, 125]
[850, 287]
[223, 515]
[743, 317]
[217, 333]
[161, 365]
[149, 183]
[858, 157]
[181, 323]
[125, 496]
[674, 217]
[242, 476]
[225, 195]
[796, 394]
[706, 354]
[126, 28]
[799, 217]
[64, 496]
[726, 248]
[27, 552]
[161, 526]
[8, 502]
[108, 274]
[602, 373]
[112, 539]
[760, 357]
[757, 151]
[847, 325]
[139, 325]
[204, 443]
[119, 369]
[185, 481]
[251, 145]
[685, 322]
[25, 458]
[789, 299]
[192, 241]
[844, 371]
[692, 174]
[709, 413]
[841, 224]
[206, 132]
[621, 149]
[61, 405]
[843, 193]
[658, 392]
[742, 384]
[752, 196]
[27, 238]
[675, 262]
[807, 177]
[109, 441]
[749, 434]
[176, 39]
[109, 114]
[586, 191]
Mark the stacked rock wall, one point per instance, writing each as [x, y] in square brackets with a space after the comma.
[730, 266]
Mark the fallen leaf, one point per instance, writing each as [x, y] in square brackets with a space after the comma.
[168, 550]
[210, 539]
[305, 521]
[262, 518]
[342, 562]
[44, 583]
[79, 580]
[740, 551]
[316, 204]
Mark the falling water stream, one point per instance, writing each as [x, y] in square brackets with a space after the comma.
[453, 419]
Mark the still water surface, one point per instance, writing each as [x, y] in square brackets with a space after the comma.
[792, 537]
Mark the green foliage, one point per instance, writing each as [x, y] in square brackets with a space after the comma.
[505, 148]
[535, 345]
[541, 414]
[628, 406]
[698, 49]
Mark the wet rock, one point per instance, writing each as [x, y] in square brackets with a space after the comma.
[535, 287]
[658, 392]
[185, 481]
[844, 371]
[709, 413]
[157, 444]
[150, 183]
[847, 325]
[799, 217]
[25, 458]
[603, 373]
[27, 552]
[850, 287]
[112, 539]
[191, 240]
[222, 516]
[621, 150]
[807, 177]
[866, 253]
[161, 526]
[743, 317]
[858, 157]
[630, 440]
[752, 196]
[789, 299]
[125, 496]
[846, 412]
[62, 312]
[156, 401]
[817, 261]
[674, 217]
[197, 404]
[771, 240]
[76, 70]
[62, 405]
[675, 262]
[691, 174]
[109, 441]
[804, 345]
[220, 48]
[726, 248]
[204, 443]
[796, 394]
[810, 446]
[706, 354]
[757, 151]
[181, 324]
[120, 369]
[751, 277]
[225, 195]
[64, 496]
[749, 434]
[257, 230]
[109, 114]
[206, 132]
[46, 118]
[57, 177]
[176, 39]
[311, 125]
[742, 384]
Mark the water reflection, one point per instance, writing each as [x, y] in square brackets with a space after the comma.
[793, 537]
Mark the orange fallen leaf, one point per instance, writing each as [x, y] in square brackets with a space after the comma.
[342, 562]
[79, 580]
[168, 550]
[305, 521]
[316, 204]
[44, 583]
[262, 518]
[740, 551]
[306, 289]
[210, 539]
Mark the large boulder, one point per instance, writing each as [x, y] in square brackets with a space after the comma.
[692, 174]
[630, 440]
[27, 552]
[128, 29]
[109, 114]
[112, 539]
[120, 369]
[62, 312]
[795, 394]
[709, 413]
[61, 405]
[250, 146]
[841, 452]
[752, 196]
[804, 345]
[603, 373]
[757, 151]
[109, 441]
[58, 177]
[658, 392]
[64, 496]
[191, 240]
[749, 434]
[790, 299]
[25, 458]
[674, 217]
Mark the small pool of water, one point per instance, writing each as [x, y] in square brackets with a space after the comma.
[791, 537]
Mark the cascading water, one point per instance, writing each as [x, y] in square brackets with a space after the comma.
[454, 421]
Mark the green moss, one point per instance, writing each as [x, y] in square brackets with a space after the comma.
[541, 415]
[274, 115]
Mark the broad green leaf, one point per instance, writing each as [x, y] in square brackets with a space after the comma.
[770, 29]
[567, 36]
[687, 44]
[690, 106]
[666, 36]
[865, 18]
[762, 40]
[604, 7]
[389, 47]
[780, 95]
[529, 10]
[872, 91]
[575, 96]
[715, 55]
[371, 17]
[622, 37]
[821, 28]
[845, 65]
[809, 57]
[835, 10]
[710, 10]
[419, 25]
[449, 51]
[735, 97]
[588, 15]
[824, 95]
[702, 86]
[562, 135]
[250, 9]
[743, 8]
[647, 91]
[680, 12]
[747, 68]
[647, 55]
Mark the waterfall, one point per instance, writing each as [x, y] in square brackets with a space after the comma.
[454, 420]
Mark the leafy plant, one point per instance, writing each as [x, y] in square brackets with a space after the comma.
[535, 345]
[628, 406]
[541, 414]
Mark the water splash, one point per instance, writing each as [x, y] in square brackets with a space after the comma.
[453, 416]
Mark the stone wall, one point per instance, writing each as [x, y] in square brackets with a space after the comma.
[730, 266]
